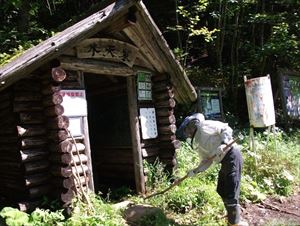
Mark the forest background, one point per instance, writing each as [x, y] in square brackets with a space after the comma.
[218, 42]
[223, 40]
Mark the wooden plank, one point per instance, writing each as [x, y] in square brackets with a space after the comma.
[33, 142]
[36, 179]
[108, 49]
[38, 166]
[88, 152]
[31, 130]
[39, 191]
[95, 66]
[135, 135]
[33, 154]
[28, 106]
[27, 96]
[32, 117]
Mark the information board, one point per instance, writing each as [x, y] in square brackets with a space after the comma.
[290, 93]
[75, 107]
[144, 85]
[210, 103]
[74, 102]
[148, 123]
[260, 102]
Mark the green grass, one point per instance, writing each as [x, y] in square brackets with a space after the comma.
[272, 169]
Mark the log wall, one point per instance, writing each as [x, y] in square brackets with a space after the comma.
[23, 154]
[164, 102]
[69, 162]
[37, 154]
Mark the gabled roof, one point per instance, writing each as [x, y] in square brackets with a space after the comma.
[144, 34]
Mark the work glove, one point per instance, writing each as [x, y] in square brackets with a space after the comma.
[220, 153]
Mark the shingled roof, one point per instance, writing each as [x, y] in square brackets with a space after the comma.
[144, 34]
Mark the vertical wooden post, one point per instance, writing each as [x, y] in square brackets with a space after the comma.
[88, 151]
[135, 135]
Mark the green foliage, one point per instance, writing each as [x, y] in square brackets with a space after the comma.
[273, 168]
[39, 217]
[98, 213]
[156, 175]
[283, 44]
[14, 217]
[191, 27]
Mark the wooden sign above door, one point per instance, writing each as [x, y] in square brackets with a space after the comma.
[109, 49]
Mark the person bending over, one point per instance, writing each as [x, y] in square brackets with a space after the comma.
[214, 143]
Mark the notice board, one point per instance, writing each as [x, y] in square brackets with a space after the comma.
[290, 94]
[210, 103]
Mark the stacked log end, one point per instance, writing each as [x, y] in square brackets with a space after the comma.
[164, 102]
[68, 160]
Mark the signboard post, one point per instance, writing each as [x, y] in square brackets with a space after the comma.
[260, 104]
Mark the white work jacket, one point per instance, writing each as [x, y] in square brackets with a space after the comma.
[208, 138]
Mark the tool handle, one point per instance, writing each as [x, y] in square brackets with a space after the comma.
[168, 188]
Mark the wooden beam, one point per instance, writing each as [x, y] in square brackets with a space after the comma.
[95, 66]
[135, 136]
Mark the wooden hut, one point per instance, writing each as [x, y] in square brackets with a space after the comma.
[87, 106]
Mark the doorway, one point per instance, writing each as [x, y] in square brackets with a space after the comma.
[109, 132]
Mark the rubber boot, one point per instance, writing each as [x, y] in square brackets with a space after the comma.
[233, 215]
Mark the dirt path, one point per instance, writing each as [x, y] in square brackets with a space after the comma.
[273, 212]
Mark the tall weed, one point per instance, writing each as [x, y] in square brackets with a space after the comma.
[273, 167]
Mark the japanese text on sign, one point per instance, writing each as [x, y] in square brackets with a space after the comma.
[144, 86]
[148, 123]
[74, 102]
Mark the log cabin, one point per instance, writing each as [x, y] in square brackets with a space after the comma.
[86, 107]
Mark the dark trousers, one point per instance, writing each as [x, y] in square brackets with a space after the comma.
[229, 183]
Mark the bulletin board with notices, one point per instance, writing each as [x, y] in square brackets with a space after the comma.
[290, 94]
[144, 85]
[148, 123]
[210, 103]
